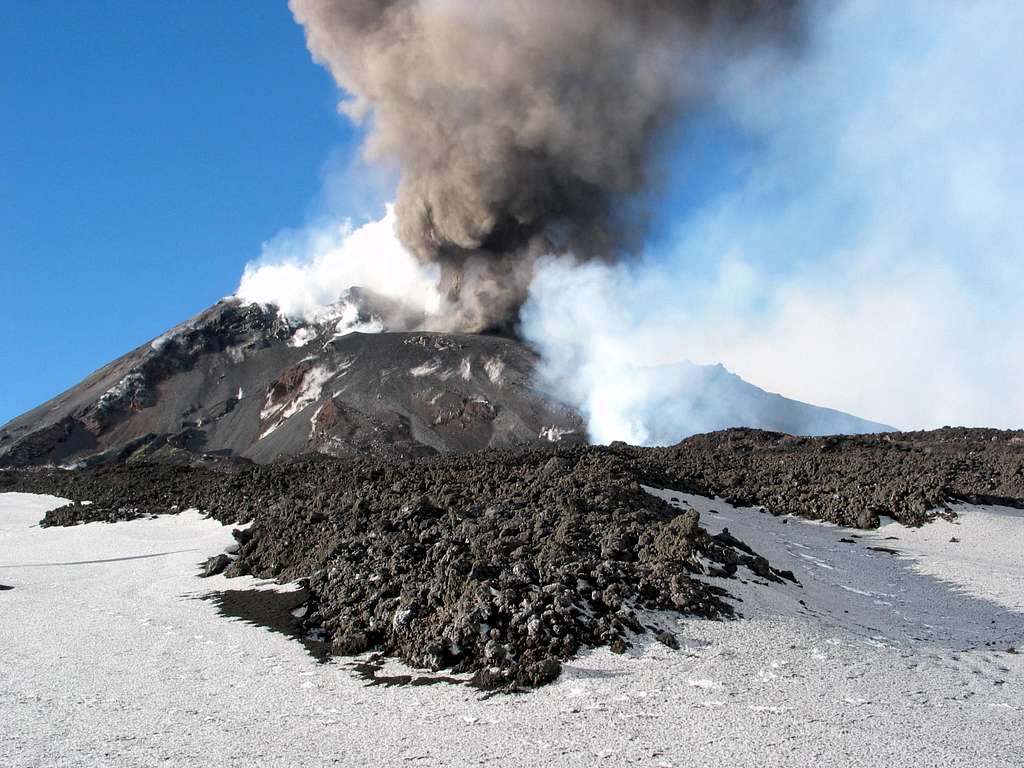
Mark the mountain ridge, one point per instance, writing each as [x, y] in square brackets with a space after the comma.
[244, 382]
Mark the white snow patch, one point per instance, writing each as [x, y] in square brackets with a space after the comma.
[309, 392]
[984, 561]
[817, 561]
[132, 380]
[312, 421]
[494, 367]
[312, 385]
[856, 591]
[555, 434]
[426, 369]
[160, 342]
[707, 685]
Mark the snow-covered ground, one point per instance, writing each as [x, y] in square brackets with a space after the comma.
[890, 659]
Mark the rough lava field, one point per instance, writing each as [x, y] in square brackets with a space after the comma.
[505, 564]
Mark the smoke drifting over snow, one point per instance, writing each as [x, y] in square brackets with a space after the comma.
[521, 128]
[871, 260]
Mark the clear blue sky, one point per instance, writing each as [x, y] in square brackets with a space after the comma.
[147, 149]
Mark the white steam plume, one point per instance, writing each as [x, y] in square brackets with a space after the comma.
[870, 260]
[303, 272]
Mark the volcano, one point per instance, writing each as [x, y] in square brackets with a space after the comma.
[243, 382]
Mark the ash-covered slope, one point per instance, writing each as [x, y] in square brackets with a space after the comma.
[242, 381]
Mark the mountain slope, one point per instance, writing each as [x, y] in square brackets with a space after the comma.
[692, 399]
[244, 382]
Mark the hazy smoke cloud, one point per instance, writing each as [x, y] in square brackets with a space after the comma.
[868, 259]
[520, 128]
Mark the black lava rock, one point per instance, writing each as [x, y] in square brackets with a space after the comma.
[215, 565]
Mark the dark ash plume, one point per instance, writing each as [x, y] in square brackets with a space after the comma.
[519, 126]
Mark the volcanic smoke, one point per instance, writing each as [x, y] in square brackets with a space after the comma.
[522, 129]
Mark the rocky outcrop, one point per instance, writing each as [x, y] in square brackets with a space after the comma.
[848, 480]
[501, 564]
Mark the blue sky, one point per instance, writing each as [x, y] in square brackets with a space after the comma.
[147, 151]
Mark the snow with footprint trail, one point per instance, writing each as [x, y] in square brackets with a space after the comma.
[894, 650]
